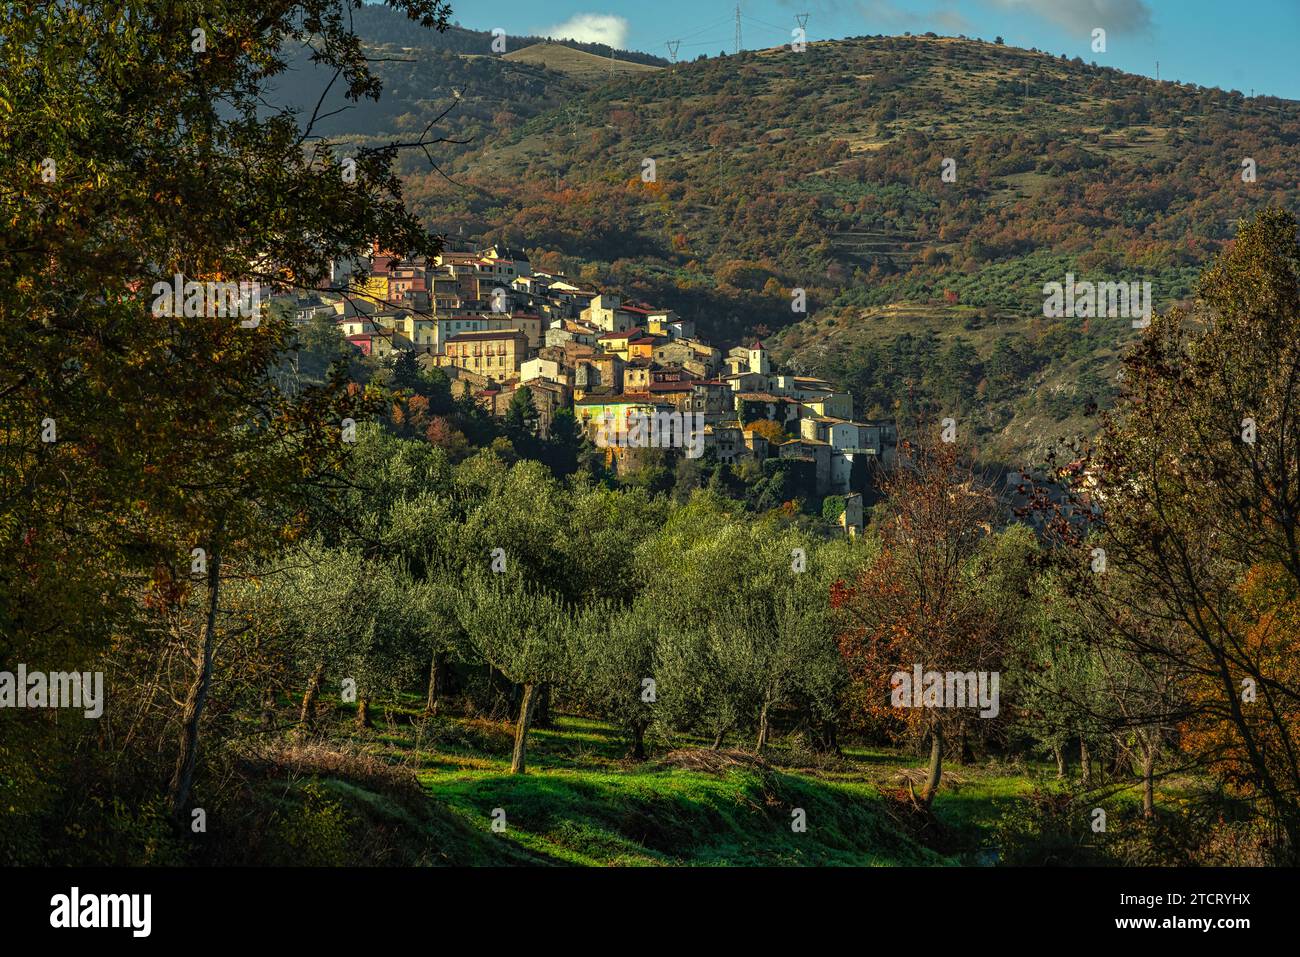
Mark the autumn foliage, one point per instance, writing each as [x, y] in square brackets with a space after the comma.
[916, 603]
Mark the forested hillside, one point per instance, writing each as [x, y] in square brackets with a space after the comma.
[453, 76]
[822, 170]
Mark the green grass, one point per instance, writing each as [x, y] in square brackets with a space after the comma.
[650, 815]
[583, 803]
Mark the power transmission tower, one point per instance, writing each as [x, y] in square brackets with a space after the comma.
[737, 28]
[672, 49]
[803, 20]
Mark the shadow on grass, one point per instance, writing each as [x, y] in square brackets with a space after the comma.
[667, 816]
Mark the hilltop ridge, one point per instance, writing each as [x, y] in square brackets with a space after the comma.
[822, 171]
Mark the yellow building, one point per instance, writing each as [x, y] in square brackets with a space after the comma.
[641, 347]
[834, 405]
[607, 418]
[616, 343]
[530, 324]
[496, 353]
[369, 294]
[357, 326]
[417, 329]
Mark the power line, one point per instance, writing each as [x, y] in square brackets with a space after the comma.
[765, 23]
[706, 29]
[738, 17]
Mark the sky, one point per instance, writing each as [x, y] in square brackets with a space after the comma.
[1240, 45]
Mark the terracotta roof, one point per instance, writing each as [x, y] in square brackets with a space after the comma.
[487, 334]
[617, 399]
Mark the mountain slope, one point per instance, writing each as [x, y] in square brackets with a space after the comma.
[822, 171]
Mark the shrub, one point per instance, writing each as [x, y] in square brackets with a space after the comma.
[832, 506]
[311, 833]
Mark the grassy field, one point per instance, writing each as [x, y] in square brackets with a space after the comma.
[562, 59]
[583, 803]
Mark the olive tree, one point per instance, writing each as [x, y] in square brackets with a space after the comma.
[525, 632]
[615, 661]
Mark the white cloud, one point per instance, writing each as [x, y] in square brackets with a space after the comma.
[1115, 16]
[592, 28]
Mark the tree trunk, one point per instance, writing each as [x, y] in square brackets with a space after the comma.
[307, 715]
[936, 766]
[964, 755]
[268, 709]
[542, 716]
[638, 742]
[717, 739]
[504, 695]
[518, 761]
[197, 696]
[363, 712]
[1059, 753]
[1149, 783]
[761, 746]
[435, 684]
[828, 740]
[1085, 762]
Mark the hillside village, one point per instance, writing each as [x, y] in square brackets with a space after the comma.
[587, 538]
[493, 325]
